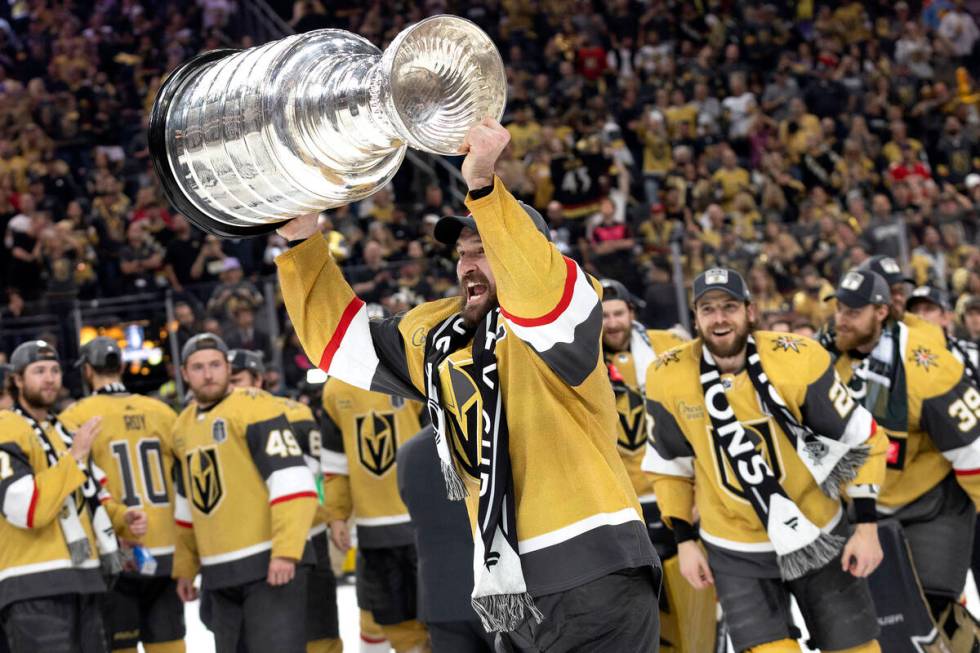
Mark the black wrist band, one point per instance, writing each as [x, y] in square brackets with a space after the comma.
[481, 192]
[865, 511]
[683, 531]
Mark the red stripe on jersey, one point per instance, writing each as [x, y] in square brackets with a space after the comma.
[30, 510]
[967, 472]
[184, 524]
[290, 497]
[372, 640]
[339, 333]
[571, 272]
[103, 481]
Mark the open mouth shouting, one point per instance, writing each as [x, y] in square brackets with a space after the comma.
[475, 291]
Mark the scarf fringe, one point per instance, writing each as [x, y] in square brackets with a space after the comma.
[80, 551]
[112, 563]
[455, 488]
[813, 556]
[505, 612]
[845, 471]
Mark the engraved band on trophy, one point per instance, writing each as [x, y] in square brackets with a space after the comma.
[244, 140]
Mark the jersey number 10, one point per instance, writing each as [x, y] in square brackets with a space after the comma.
[154, 479]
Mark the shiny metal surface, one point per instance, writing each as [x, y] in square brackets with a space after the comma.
[246, 140]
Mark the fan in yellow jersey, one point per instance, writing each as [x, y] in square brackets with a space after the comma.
[930, 412]
[134, 450]
[245, 501]
[56, 522]
[362, 431]
[322, 627]
[756, 428]
[523, 411]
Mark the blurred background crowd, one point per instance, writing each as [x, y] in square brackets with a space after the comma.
[789, 140]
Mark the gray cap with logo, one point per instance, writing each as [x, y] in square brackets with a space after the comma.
[201, 342]
[101, 353]
[32, 351]
[723, 279]
[859, 288]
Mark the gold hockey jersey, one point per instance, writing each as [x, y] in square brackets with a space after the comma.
[627, 371]
[687, 466]
[577, 513]
[34, 558]
[361, 439]
[135, 451]
[937, 429]
[243, 490]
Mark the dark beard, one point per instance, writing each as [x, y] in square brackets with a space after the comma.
[473, 315]
[609, 346]
[737, 346]
[855, 340]
[35, 400]
[212, 397]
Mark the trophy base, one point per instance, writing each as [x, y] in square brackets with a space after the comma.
[156, 136]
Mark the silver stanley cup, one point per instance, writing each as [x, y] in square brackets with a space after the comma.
[243, 141]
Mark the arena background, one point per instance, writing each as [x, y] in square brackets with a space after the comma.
[789, 140]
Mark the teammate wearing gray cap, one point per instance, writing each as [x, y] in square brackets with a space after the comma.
[922, 400]
[135, 451]
[244, 506]
[57, 525]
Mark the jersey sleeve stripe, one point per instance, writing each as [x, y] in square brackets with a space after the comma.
[290, 482]
[182, 509]
[334, 463]
[571, 274]
[965, 460]
[19, 501]
[183, 524]
[653, 462]
[967, 472]
[350, 354]
[290, 497]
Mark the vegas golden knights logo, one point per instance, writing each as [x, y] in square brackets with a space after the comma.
[629, 405]
[377, 441]
[206, 488]
[465, 417]
[759, 434]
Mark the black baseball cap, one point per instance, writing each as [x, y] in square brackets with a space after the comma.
[861, 287]
[927, 294]
[32, 351]
[101, 353]
[612, 289]
[244, 359]
[888, 268]
[200, 342]
[447, 230]
[723, 279]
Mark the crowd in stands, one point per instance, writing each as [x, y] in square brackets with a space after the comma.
[789, 140]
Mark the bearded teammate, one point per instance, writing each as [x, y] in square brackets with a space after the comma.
[134, 450]
[756, 430]
[362, 432]
[53, 529]
[523, 411]
[245, 501]
[926, 406]
[322, 628]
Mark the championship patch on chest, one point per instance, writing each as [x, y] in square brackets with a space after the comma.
[219, 430]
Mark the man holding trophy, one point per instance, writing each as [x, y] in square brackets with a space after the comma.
[524, 415]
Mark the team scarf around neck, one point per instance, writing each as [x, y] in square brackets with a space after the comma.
[879, 382]
[801, 547]
[77, 541]
[114, 388]
[500, 595]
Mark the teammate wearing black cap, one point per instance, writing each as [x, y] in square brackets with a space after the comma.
[56, 520]
[135, 451]
[245, 502]
[932, 305]
[523, 410]
[755, 429]
[930, 412]
[322, 627]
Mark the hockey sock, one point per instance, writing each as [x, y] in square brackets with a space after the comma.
[782, 646]
[173, 646]
[325, 646]
[867, 647]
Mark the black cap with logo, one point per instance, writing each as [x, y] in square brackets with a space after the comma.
[101, 353]
[723, 279]
[447, 230]
[888, 268]
[32, 351]
[245, 359]
[860, 288]
[201, 342]
[927, 294]
[612, 289]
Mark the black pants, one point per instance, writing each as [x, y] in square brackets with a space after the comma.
[613, 614]
[58, 624]
[262, 617]
[143, 609]
[387, 583]
[460, 637]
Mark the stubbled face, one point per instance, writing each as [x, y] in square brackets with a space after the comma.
[477, 290]
[858, 327]
[900, 293]
[723, 322]
[617, 324]
[206, 373]
[39, 384]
